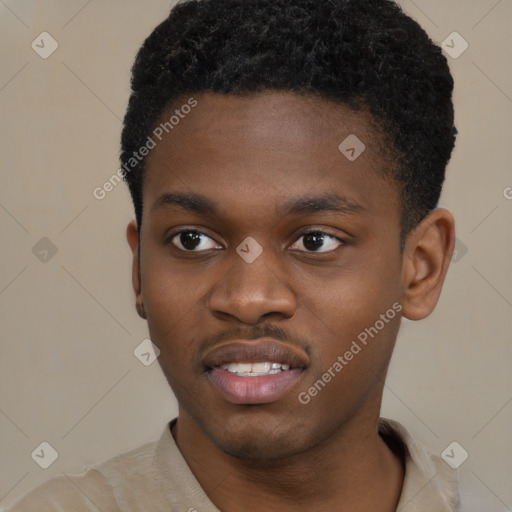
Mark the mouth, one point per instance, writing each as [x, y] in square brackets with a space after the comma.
[255, 369]
[254, 372]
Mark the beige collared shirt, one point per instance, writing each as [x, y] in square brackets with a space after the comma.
[156, 478]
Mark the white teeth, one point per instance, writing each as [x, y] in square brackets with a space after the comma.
[261, 367]
[255, 369]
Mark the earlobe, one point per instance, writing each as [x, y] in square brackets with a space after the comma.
[132, 236]
[139, 306]
[427, 255]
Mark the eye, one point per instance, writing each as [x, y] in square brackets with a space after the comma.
[190, 239]
[315, 240]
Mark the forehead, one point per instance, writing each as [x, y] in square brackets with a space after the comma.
[265, 149]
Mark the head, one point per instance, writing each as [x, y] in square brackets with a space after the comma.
[312, 138]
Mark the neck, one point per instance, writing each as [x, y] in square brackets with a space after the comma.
[352, 470]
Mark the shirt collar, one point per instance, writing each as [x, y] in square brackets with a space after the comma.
[429, 483]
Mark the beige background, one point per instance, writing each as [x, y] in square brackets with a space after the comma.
[68, 327]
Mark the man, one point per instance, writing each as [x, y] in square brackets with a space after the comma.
[285, 160]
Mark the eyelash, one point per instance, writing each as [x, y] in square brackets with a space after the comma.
[343, 242]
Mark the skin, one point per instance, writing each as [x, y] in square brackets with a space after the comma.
[249, 155]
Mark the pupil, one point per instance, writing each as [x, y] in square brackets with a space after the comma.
[190, 239]
[317, 240]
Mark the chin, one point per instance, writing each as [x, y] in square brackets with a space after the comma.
[258, 449]
[263, 442]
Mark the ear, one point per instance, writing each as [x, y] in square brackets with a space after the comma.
[132, 236]
[427, 254]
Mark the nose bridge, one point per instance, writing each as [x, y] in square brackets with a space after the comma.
[252, 285]
[257, 275]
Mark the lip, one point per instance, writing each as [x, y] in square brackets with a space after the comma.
[254, 390]
[260, 350]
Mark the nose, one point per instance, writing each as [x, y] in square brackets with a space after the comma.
[251, 291]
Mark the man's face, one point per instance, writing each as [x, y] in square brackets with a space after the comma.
[270, 172]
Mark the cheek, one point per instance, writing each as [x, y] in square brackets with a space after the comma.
[349, 302]
[356, 317]
[350, 362]
[172, 308]
[169, 293]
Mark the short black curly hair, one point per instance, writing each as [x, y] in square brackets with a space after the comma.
[362, 53]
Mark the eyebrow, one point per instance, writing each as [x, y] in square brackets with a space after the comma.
[301, 205]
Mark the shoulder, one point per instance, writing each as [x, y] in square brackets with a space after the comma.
[86, 492]
[430, 483]
[97, 488]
